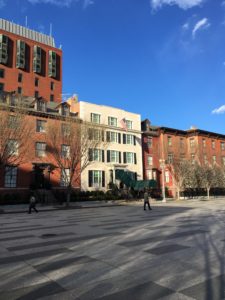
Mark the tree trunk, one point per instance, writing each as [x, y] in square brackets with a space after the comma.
[178, 193]
[68, 196]
[208, 191]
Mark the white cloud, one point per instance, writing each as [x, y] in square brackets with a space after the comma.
[184, 4]
[2, 3]
[200, 25]
[186, 26]
[219, 110]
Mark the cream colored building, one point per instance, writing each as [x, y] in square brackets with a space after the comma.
[121, 151]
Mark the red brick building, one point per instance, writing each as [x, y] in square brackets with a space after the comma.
[36, 168]
[163, 144]
[30, 64]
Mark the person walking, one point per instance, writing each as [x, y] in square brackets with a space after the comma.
[146, 200]
[32, 203]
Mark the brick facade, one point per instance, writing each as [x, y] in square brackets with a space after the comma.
[32, 83]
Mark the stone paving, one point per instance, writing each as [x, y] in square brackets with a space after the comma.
[175, 251]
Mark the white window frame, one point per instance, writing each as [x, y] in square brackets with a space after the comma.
[40, 125]
[149, 160]
[129, 124]
[65, 151]
[113, 136]
[129, 139]
[167, 176]
[65, 177]
[40, 151]
[95, 118]
[13, 147]
[149, 174]
[222, 145]
[129, 157]
[112, 121]
[96, 178]
[114, 156]
[97, 155]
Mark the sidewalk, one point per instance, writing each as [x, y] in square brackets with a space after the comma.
[23, 208]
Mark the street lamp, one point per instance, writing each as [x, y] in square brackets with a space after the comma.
[162, 166]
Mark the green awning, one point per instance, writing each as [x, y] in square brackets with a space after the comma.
[145, 184]
[128, 179]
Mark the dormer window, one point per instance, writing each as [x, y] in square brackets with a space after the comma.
[41, 105]
[65, 110]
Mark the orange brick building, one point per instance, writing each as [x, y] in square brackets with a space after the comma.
[30, 64]
[37, 168]
[167, 144]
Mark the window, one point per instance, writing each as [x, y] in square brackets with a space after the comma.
[20, 77]
[149, 174]
[96, 178]
[36, 81]
[13, 121]
[52, 86]
[10, 176]
[203, 143]
[181, 142]
[96, 155]
[167, 176]
[41, 106]
[65, 177]
[95, 118]
[36, 94]
[65, 108]
[52, 98]
[3, 49]
[129, 139]
[149, 160]
[52, 62]
[95, 134]
[149, 142]
[41, 126]
[169, 139]
[114, 156]
[65, 129]
[192, 143]
[12, 147]
[112, 121]
[214, 159]
[130, 158]
[19, 90]
[1, 87]
[40, 149]
[37, 60]
[2, 73]
[222, 145]
[65, 151]
[112, 136]
[170, 158]
[20, 54]
[213, 144]
[129, 124]
[223, 161]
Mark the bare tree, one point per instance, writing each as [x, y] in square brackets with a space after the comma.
[69, 141]
[15, 133]
[180, 172]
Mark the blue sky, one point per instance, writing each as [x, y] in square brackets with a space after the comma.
[164, 59]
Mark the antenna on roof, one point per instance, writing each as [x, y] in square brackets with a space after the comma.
[26, 21]
[50, 29]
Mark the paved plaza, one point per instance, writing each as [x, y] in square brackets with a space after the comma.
[175, 251]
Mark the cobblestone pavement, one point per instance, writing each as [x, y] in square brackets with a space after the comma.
[175, 251]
